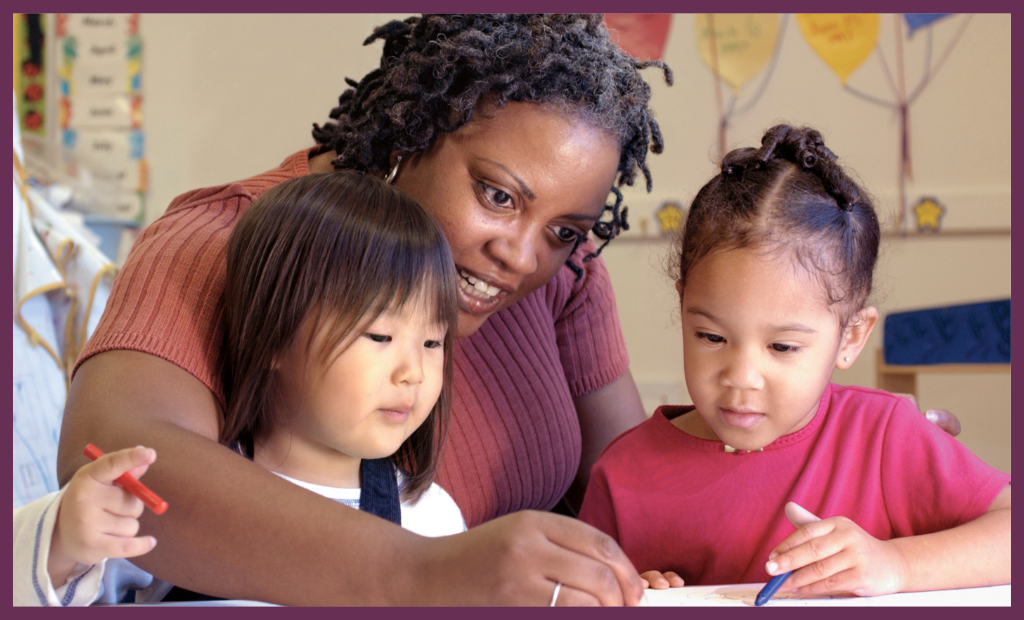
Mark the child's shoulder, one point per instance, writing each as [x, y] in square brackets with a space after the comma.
[640, 435]
[875, 408]
[858, 396]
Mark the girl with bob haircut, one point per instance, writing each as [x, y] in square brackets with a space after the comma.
[339, 323]
[312, 266]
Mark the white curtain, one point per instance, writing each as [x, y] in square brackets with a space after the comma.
[61, 285]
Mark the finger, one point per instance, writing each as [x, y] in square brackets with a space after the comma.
[92, 495]
[840, 581]
[592, 560]
[118, 502]
[674, 580]
[798, 515]
[802, 535]
[655, 579]
[121, 527]
[127, 547]
[811, 543]
[110, 467]
[945, 420]
[571, 597]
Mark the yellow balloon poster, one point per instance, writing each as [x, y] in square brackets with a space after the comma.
[736, 46]
[843, 40]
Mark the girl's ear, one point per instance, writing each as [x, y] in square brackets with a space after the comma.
[679, 286]
[856, 336]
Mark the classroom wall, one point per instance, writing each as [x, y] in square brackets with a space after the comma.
[227, 96]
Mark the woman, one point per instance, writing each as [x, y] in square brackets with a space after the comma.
[512, 131]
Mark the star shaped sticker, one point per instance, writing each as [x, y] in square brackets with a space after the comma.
[670, 217]
[929, 214]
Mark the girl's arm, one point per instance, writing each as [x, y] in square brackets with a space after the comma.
[238, 531]
[837, 556]
[973, 554]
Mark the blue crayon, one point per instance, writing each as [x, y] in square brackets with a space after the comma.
[770, 588]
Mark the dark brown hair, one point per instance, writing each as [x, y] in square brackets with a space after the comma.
[436, 69]
[790, 194]
[337, 249]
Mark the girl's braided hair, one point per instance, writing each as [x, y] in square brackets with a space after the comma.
[436, 69]
[792, 194]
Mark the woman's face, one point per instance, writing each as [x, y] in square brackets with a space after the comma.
[512, 190]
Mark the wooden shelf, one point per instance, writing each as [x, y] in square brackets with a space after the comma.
[903, 379]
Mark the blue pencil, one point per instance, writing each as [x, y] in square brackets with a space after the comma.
[770, 588]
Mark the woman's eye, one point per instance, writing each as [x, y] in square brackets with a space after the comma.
[379, 337]
[496, 196]
[433, 344]
[783, 348]
[566, 235]
[714, 338]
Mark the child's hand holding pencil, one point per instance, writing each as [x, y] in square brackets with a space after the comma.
[98, 518]
[835, 556]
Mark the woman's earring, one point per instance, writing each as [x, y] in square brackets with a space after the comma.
[846, 359]
[390, 179]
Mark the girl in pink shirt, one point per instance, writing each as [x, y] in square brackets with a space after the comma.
[775, 268]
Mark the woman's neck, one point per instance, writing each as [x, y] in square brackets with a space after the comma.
[322, 162]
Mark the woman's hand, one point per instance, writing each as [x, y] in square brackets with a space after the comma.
[98, 519]
[945, 420]
[833, 556]
[518, 559]
[656, 580]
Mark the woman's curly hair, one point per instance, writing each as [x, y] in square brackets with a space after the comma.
[435, 69]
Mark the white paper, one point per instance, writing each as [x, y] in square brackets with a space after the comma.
[743, 596]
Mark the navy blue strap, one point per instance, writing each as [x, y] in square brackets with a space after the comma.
[379, 490]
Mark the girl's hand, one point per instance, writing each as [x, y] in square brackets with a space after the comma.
[656, 580]
[98, 519]
[834, 556]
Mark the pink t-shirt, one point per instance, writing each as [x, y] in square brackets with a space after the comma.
[676, 502]
[514, 440]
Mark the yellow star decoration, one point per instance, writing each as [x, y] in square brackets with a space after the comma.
[670, 217]
[929, 214]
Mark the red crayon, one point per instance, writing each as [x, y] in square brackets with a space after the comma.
[133, 486]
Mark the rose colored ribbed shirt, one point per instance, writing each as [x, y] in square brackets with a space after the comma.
[514, 439]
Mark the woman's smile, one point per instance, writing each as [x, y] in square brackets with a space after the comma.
[513, 190]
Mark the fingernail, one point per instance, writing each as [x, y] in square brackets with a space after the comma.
[771, 567]
[773, 555]
[931, 415]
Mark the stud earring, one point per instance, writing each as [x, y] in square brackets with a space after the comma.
[390, 179]
[846, 359]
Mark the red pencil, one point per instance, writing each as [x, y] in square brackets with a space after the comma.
[133, 486]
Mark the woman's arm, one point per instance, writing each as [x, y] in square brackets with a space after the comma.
[604, 415]
[235, 530]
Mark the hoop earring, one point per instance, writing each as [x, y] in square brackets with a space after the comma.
[390, 179]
